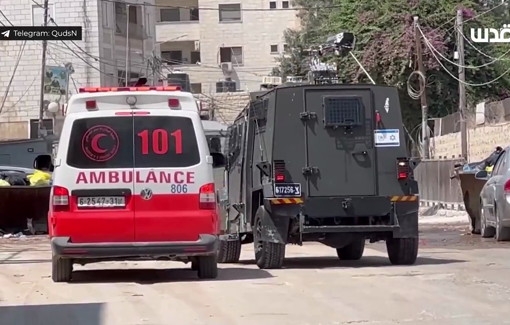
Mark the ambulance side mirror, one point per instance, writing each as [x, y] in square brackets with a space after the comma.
[218, 160]
[44, 162]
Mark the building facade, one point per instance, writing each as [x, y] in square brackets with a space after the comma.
[98, 60]
[219, 40]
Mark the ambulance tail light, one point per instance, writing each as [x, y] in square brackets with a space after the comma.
[60, 199]
[403, 169]
[207, 197]
[173, 103]
[90, 105]
[279, 171]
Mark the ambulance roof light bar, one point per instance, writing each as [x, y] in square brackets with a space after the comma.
[117, 89]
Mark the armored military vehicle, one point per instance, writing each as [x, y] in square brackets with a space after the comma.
[320, 161]
[324, 163]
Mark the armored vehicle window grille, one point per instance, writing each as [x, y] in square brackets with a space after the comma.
[342, 111]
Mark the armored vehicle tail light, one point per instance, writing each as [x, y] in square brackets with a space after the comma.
[279, 171]
[403, 169]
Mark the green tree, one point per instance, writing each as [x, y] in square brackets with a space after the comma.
[386, 48]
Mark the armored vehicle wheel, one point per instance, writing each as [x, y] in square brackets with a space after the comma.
[353, 251]
[207, 267]
[229, 251]
[61, 269]
[402, 251]
[267, 255]
[194, 265]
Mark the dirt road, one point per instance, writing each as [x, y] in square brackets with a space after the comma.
[458, 279]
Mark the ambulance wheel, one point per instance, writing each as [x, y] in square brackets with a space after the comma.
[267, 255]
[61, 269]
[229, 251]
[353, 251]
[207, 267]
[402, 251]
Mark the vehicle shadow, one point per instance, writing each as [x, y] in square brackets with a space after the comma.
[153, 276]
[86, 314]
[324, 262]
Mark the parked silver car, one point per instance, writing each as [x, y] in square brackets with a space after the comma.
[495, 199]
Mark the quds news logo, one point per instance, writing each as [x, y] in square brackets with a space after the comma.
[491, 35]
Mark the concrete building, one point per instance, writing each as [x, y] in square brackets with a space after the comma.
[212, 40]
[98, 60]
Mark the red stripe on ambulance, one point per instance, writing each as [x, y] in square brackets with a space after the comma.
[152, 177]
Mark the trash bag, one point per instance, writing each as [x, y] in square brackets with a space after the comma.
[39, 178]
[17, 180]
[4, 183]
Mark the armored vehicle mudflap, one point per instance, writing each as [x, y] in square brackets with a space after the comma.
[397, 214]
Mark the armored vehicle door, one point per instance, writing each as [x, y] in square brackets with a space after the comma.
[236, 156]
[340, 152]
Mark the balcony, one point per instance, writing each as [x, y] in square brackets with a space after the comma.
[177, 23]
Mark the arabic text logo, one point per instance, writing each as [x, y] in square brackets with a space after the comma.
[100, 143]
[491, 35]
[6, 33]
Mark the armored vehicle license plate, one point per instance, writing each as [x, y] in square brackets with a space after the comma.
[293, 189]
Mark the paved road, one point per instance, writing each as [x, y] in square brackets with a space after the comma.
[459, 279]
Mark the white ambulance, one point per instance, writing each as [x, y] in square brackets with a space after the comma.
[133, 179]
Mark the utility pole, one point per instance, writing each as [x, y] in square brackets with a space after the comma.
[128, 73]
[43, 74]
[423, 92]
[462, 85]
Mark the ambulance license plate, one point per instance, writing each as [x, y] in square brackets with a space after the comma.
[289, 189]
[102, 202]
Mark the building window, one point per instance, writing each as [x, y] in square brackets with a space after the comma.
[172, 57]
[231, 54]
[196, 88]
[106, 14]
[121, 75]
[195, 57]
[38, 15]
[285, 4]
[285, 47]
[133, 19]
[34, 127]
[230, 12]
[274, 48]
[272, 4]
[170, 15]
[194, 14]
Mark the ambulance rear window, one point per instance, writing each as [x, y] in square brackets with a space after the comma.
[124, 142]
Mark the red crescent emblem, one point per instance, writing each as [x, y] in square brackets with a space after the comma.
[94, 143]
[90, 143]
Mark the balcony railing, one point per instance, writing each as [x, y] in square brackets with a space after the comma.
[135, 31]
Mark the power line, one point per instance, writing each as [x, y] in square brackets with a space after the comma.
[20, 54]
[5, 17]
[494, 60]
[427, 42]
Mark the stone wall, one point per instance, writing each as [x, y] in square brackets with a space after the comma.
[481, 142]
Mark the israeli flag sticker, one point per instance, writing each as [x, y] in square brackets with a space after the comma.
[387, 138]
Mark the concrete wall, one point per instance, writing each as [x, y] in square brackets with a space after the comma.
[481, 142]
